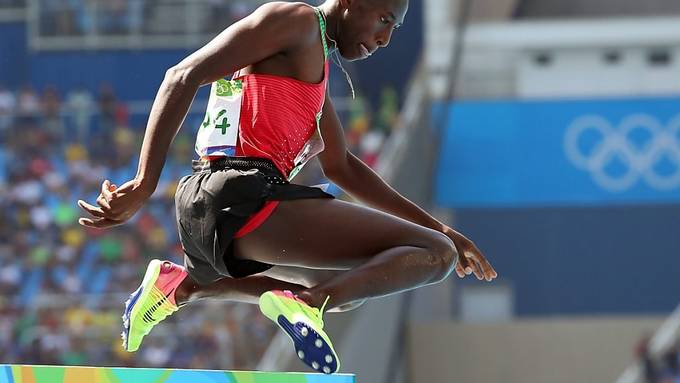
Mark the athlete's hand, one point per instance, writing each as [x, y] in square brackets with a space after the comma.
[470, 259]
[115, 204]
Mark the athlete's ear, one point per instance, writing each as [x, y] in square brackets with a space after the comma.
[344, 4]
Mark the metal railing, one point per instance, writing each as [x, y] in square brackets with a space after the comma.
[125, 24]
[12, 10]
[500, 56]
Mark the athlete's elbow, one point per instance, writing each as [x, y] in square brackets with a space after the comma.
[336, 169]
[339, 176]
[333, 173]
[181, 75]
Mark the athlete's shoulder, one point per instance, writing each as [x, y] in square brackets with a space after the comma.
[287, 9]
[298, 18]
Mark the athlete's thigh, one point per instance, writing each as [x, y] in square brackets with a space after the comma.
[330, 234]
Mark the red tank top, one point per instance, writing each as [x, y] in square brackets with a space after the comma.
[278, 116]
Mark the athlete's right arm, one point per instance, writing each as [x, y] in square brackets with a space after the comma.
[273, 28]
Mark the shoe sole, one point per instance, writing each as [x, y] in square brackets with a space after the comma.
[140, 295]
[310, 347]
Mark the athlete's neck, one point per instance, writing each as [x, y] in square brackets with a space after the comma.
[332, 12]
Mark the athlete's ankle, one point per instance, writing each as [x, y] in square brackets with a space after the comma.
[314, 298]
[186, 291]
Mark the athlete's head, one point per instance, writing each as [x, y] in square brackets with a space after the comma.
[363, 26]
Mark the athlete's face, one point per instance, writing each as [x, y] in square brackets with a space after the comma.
[367, 25]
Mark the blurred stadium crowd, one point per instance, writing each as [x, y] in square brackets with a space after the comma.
[62, 286]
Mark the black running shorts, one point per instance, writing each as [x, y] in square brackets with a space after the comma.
[215, 201]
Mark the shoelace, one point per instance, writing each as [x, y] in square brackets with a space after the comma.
[323, 306]
[318, 313]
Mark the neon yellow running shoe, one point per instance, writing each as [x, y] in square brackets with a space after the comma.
[152, 302]
[304, 326]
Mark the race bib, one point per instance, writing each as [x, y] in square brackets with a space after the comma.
[218, 132]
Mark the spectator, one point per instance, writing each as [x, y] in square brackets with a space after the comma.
[51, 113]
[388, 113]
[28, 106]
[80, 105]
[7, 108]
[107, 107]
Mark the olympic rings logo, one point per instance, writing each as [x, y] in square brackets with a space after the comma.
[639, 159]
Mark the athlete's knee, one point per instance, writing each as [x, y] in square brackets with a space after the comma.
[443, 256]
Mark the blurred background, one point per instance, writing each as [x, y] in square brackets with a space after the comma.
[548, 131]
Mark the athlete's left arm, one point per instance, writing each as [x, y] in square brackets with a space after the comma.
[360, 181]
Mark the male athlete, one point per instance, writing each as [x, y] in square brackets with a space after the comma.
[248, 233]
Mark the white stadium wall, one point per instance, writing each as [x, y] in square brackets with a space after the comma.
[526, 351]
